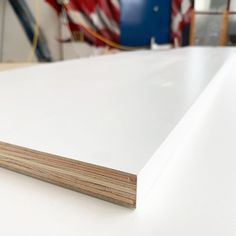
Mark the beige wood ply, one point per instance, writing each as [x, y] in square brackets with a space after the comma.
[10, 66]
[104, 183]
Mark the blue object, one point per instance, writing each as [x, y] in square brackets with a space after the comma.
[143, 19]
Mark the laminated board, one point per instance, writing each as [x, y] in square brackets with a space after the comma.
[103, 126]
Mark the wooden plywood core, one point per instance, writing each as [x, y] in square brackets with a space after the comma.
[107, 184]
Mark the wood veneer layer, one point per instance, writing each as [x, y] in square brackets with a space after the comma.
[104, 183]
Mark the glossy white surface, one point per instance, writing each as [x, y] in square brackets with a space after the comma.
[113, 111]
[194, 196]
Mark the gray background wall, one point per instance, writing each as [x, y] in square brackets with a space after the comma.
[15, 47]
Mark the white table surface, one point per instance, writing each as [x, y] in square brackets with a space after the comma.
[194, 196]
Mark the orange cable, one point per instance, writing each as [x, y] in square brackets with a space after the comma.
[103, 39]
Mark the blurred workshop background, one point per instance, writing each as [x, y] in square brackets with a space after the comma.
[52, 30]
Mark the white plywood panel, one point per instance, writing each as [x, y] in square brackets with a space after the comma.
[195, 196]
[112, 111]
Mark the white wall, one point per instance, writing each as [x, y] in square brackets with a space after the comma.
[16, 47]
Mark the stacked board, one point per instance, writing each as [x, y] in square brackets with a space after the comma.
[90, 179]
[104, 126]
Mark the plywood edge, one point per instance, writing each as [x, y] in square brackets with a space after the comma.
[107, 184]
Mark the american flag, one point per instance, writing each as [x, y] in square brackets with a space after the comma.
[87, 17]
[91, 16]
[181, 16]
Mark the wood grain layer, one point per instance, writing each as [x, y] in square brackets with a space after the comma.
[104, 183]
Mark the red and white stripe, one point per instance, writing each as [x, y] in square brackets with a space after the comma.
[101, 16]
[181, 16]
